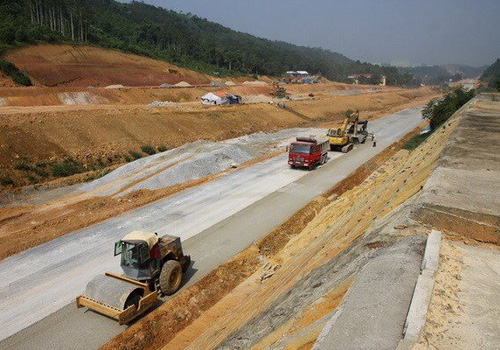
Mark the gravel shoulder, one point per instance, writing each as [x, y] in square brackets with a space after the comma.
[465, 307]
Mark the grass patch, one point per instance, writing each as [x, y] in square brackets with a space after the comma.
[148, 149]
[415, 141]
[5, 180]
[32, 179]
[162, 148]
[41, 172]
[22, 165]
[67, 167]
[41, 164]
[135, 154]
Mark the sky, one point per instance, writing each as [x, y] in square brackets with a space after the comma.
[377, 31]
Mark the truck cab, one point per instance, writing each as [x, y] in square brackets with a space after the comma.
[307, 152]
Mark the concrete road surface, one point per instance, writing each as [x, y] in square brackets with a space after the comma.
[215, 221]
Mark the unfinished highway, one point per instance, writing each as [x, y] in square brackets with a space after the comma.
[215, 221]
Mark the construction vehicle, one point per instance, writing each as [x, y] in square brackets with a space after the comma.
[307, 152]
[351, 131]
[152, 266]
[358, 131]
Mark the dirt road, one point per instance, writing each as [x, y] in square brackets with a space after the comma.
[216, 220]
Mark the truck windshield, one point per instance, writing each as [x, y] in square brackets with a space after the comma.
[303, 149]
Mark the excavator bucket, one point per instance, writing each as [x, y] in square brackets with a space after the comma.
[118, 297]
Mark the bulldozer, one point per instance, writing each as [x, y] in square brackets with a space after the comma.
[152, 266]
[350, 132]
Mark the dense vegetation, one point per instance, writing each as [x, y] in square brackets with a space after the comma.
[492, 75]
[11, 71]
[183, 39]
[439, 111]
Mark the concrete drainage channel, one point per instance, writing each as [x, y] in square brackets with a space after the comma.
[372, 311]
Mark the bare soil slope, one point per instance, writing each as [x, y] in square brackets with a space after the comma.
[53, 65]
[108, 133]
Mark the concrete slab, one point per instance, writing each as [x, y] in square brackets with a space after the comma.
[462, 194]
[374, 310]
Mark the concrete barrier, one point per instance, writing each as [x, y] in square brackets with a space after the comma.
[417, 314]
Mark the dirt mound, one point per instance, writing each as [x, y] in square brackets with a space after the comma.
[182, 84]
[116, 86]
[257, 99]
[257, 82]
[52, 65]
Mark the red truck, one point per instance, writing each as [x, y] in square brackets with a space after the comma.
[307, 152]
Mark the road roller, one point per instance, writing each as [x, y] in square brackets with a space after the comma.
[152, 266]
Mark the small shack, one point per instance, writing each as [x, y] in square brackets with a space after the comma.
[212, 99]
[218, 98]
[297, 77]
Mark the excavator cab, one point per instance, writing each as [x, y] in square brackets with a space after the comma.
[334, 132]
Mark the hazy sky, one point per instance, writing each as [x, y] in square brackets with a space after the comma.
[419, 31]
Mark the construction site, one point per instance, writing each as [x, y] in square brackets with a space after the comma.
[133, 215]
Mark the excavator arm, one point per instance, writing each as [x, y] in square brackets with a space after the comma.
[339, 140]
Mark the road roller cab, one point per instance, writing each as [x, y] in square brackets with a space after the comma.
[152, 265]
[140, 258]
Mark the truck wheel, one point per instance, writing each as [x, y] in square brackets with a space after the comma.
[170, 277]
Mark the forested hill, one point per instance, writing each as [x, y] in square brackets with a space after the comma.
[492, 75]
[183, 39]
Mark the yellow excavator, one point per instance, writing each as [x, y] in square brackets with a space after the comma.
[351, 131]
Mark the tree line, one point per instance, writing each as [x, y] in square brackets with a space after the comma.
[66, 17]
[183, 39]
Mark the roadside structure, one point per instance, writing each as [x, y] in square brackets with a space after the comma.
[212, 99]
[297, 77]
